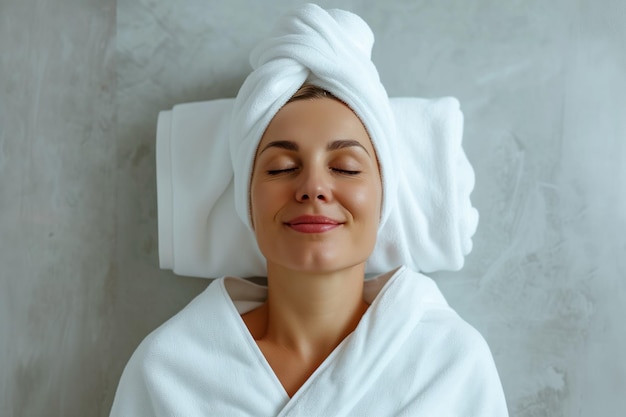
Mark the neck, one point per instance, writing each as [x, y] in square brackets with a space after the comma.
[310, 314]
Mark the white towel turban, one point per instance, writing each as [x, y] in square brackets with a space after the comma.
[330, 49]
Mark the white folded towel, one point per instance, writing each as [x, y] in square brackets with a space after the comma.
[427, 219]
[429, 227]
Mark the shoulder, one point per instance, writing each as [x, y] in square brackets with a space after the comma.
[452, 336]
[464, 367]
[197, 323]
[165, 362]
[438, 331]
[453, 357]
[197, 320]
[446, 330]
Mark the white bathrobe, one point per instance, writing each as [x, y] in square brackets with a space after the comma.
[410, 355]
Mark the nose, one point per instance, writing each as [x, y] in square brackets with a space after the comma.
[314, 184]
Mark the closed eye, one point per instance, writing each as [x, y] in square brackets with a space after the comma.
[345, 171]
[288, 170]
[280, 171]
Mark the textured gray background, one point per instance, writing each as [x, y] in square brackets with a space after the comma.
[543, 88]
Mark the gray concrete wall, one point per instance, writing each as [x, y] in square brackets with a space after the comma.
[543, 88]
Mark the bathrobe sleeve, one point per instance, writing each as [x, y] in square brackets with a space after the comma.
[479, 391]
[132, 397]
[456, 373]
[201, 362]
[490, 400]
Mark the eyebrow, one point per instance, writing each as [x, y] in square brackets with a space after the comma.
[281, 144]
[345, 143]
[333, 146]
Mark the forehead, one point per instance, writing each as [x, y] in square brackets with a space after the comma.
[316, 122]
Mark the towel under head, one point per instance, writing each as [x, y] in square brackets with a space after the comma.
[428, 220]
[332, 50]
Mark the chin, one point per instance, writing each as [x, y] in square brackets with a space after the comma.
[324, 269]
[326, 262]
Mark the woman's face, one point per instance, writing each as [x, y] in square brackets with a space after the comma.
[316, 190]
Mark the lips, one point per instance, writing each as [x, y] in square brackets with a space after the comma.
[312, 224]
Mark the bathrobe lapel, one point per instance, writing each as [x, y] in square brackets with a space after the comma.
[345, 377]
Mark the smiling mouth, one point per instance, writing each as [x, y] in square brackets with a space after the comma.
[313, 224]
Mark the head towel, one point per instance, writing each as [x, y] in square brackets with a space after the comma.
[330, 49]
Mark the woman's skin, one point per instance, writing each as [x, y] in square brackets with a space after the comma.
[315, 206]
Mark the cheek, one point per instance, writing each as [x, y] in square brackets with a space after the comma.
[366, 201]
[263, 198]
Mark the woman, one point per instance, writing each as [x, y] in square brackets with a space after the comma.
[319, 340]
[315, 204]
